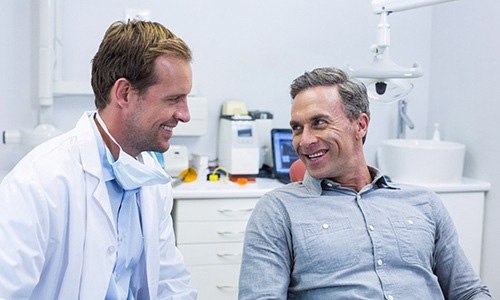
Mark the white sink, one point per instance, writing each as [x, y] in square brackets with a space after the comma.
[421, 161]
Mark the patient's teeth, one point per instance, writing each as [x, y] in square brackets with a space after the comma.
[316, 154]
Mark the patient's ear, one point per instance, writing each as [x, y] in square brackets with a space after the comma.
[362, 126]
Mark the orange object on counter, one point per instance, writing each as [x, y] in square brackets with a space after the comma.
[241, 180]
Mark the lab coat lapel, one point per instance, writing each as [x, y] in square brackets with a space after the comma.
[149, 199]
[100, 238]
[91, 163]
[149, 218]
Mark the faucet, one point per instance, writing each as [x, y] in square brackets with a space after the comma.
[403, 119]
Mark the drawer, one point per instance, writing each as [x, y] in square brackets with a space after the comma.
[211, 254]
[210, 232]
[213, 210]
[216, 282]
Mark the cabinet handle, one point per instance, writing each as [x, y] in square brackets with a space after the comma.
[228, 254]
[228, 233]
[226, 287]
[234, 210]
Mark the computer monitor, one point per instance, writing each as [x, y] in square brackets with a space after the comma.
[283, 153]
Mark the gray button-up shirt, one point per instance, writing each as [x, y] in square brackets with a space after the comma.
[317, 240]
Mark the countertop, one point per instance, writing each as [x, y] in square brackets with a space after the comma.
[207, 190]
[466, 185]
[202, 189]
[226, 189]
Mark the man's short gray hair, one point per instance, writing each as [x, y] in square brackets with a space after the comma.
[352, 92]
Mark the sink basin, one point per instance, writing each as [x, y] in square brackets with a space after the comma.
[421, 161]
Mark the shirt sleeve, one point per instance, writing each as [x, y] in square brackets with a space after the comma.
[23, 236]
[455, 274]
[267, 253]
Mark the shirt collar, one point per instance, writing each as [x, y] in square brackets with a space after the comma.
[316, 186]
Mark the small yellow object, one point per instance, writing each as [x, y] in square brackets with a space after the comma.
[213, 177]
[188, 175]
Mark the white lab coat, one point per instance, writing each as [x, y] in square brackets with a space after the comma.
[57, 231]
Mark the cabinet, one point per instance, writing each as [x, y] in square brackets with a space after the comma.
[210, 221]
[465, 203]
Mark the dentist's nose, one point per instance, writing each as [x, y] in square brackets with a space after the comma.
[182, 112]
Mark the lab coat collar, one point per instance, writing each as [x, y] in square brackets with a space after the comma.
[88, 145]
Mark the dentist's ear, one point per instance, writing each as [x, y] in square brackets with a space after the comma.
[120, 92]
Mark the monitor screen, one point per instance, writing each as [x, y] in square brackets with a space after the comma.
[283, 152]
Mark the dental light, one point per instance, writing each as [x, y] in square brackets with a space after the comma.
[380, 6]
[385, 80]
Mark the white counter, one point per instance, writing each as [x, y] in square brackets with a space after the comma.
[466, 185]
[224, 189]
[206, 189]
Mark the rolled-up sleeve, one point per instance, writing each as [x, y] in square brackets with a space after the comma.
[267, 253]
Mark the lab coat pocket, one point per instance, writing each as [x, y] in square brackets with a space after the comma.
[329, 245]
[415, 239]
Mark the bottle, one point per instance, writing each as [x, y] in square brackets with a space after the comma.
[436, 136]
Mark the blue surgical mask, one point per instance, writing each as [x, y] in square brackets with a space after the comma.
[129, 172]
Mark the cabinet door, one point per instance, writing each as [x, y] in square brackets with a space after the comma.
[216, 282]
[214, 210]
[210, 232]
[467, 211]
[211, 254]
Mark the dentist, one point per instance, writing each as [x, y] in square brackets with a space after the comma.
[86, 215]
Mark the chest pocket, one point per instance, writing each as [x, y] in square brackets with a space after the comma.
[415, 239]
[328, 245]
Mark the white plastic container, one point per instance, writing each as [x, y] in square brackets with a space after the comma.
[421, 161]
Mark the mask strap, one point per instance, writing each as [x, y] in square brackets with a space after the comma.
[106, 130]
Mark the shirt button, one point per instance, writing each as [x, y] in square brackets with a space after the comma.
[325, 226]
[390, 297]
[111, 250]
[410, 222]
[371, 227]
[380, 262]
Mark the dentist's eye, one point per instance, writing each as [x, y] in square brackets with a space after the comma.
[176, 98]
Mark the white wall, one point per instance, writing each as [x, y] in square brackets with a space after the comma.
[244, 50]
[465, 100]
[16, 108]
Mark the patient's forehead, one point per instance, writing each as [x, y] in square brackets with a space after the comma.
[314, 102]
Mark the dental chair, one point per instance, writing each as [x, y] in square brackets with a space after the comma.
[297, 171]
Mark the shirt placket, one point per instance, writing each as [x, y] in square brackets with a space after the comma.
[374, 227]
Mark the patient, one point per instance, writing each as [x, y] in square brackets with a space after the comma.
[345, 232]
